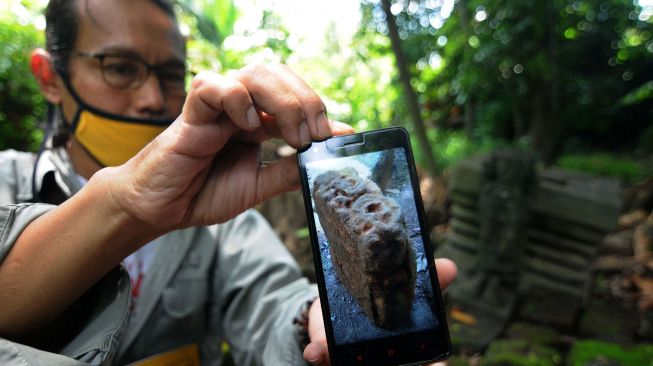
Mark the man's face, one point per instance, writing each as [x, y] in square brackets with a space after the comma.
[133, 28]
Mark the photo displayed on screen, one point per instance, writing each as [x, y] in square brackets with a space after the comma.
[371, 246]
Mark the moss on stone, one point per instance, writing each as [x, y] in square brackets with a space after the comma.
[520, 352]
[588, 352]
[533, 333]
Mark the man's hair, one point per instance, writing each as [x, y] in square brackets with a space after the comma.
[61, 28]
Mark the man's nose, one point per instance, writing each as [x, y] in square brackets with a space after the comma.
[149, 99]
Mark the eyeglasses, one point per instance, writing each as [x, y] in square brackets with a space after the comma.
[130, 72]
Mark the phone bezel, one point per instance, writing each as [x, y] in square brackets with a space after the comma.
[412, 348]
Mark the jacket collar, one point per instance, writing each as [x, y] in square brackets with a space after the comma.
[53, 172]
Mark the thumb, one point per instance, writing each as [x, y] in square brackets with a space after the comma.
[317, 354]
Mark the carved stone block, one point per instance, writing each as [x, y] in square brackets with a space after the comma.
[370, 250]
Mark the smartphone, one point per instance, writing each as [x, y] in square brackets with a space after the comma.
[376, 276]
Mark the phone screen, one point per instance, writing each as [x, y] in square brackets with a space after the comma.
[378, 285]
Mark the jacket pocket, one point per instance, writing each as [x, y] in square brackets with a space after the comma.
[185, 297]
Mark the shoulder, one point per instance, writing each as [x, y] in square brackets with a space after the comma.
[15, 174]
[13, 157]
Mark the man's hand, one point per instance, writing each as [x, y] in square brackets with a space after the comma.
[317, 353]
[205, 167]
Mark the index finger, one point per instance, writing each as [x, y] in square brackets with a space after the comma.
[272, 95]
[313, 106]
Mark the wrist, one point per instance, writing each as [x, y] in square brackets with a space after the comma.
[104, 189]
[300, 323]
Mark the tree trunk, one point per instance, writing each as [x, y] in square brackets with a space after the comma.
[547, 129]
[469, 109]
[517, 118]
[409, 92]
[469, 117]
[558, 126]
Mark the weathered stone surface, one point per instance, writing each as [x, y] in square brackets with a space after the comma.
[555, 308]
[473, 337]
[369, 246]
[609, 321]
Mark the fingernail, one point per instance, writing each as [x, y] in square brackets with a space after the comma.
[252, 117]
[323, 125]
[304, 135]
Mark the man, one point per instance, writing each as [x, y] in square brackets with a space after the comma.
[114, 71]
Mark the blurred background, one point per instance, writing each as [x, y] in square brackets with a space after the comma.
[570, 80]
[559, 90]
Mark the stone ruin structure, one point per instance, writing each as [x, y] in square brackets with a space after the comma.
[369, 246]
[524, 237]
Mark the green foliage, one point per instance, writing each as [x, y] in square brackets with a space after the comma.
[486, 71]
[356, 83]
[214, 19]
[212, 24]
[302, 233]
[638, 95]
[597, 352]
[520, 352]
[542, 72]
[21, 105]
[450, 147]
[606, 165]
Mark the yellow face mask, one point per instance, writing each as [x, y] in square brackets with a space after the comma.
[111, 139]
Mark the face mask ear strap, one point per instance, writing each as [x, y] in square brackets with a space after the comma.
[49, 129]
[80, 103]
[69, 86]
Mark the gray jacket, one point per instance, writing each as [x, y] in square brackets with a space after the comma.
[232, 282]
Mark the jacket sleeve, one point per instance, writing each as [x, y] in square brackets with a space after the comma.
[96, 338]
[261, 290]
[13, 220]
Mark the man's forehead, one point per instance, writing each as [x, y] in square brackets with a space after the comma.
[131, 26]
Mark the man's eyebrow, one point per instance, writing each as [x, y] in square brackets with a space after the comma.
[127, 52]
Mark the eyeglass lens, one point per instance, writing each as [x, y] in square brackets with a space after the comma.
[124, 72]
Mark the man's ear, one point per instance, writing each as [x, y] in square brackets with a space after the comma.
[43, 71]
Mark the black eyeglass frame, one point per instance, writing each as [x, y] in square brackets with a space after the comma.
[138, 82]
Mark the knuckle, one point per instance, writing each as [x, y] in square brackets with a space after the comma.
[202, 79]
[254, 71]
[290, 103]
[207, 82]
[313, 101]
[239, 89]
[278, 68]
[218, 85]
[234, 88]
